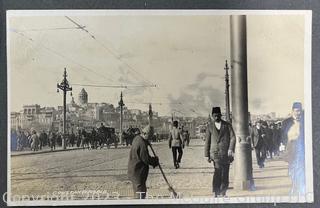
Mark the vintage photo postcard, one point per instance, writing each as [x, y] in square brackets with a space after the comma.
[159, 107]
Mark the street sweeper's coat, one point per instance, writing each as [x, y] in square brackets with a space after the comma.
[139, 161]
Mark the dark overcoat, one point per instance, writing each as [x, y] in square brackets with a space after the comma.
[256, 138]
[217, 143]
[139, 161]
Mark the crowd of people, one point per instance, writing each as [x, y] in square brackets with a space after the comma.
[266, 140]
[32, 140]
[93, 138]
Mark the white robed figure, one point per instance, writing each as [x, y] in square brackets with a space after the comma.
[293, 133]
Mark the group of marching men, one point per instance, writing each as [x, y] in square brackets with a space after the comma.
[96, 138]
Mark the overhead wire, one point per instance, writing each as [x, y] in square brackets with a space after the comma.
[48, 29]
[60, 55]
[110, 51]
[153, 103]
[114, 86]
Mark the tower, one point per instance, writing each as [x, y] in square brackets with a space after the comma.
[83, 97]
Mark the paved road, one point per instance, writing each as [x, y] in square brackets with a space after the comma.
[105, 170]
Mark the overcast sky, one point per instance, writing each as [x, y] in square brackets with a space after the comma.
[183, 55]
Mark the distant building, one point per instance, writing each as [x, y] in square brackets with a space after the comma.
[82, 115]
[83, 97]
[33, 116]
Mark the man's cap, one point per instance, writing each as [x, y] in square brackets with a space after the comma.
[297, 105]
[216, 110]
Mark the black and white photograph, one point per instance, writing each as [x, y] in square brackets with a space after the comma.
[111, 107]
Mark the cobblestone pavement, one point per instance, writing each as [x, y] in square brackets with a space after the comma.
[81, 173]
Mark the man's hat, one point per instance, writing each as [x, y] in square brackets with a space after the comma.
[216, 110]
[297, 105]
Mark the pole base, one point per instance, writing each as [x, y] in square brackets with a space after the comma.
[244, 185]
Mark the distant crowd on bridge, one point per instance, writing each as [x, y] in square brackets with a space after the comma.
[97, 138]
[92, 138]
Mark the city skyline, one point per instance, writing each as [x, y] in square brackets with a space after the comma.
[185, 61]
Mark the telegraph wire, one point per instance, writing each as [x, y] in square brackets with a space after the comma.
[115, 86]
[60, 55]
[49, 29]
[109, 50]
[153, 103]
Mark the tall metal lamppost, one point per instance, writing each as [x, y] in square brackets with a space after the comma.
[121, 104]
[64, 86]
[150, 115]
[228, 117]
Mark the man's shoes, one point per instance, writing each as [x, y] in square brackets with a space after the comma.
[220, 195]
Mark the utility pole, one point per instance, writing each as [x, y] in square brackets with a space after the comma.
[150, 114]
[228, 118]
[121, 104]
[64, 86]
[243, 179]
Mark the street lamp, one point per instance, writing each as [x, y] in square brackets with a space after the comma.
[228, 117]
[121, 104]
[64, 86]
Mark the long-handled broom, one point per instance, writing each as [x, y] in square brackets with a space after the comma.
[164, 176]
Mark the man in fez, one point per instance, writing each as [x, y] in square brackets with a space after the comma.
[139, 161]
[219, 148]
[293, 136]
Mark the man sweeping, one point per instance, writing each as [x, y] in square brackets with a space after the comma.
[139, 161]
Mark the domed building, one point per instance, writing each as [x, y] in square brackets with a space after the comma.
[83, 97]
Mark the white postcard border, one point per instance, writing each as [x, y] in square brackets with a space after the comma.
[309, 198]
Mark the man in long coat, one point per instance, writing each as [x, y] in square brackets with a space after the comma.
[293, 137]
[139, 161]
[219, 148]
[258, 136]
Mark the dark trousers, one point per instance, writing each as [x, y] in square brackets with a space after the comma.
[174, 153]
[220, 182]
[139, 190]
[261, 156]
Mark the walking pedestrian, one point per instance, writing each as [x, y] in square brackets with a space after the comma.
[219, 148]
[258, 144]
[35, 141]
[293, 135]
[187, 138]
[52, 140]
[72, 138]
[175, 144]
[42, 138]
[139, 161]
